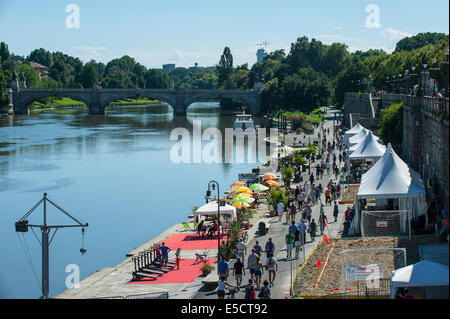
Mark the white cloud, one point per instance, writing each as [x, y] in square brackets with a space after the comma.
[395, 35]
[90, 53]
[330, 38]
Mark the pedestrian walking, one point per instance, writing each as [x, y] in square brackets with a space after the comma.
[272, 268]
[164, 250]
[258, 266]
[222, 283]
[289, 243]
[280, 209]
[270, 248]
[241, 249]
[238, 271]
[312, 230]
[265, 291]
[335, 211]
[251, 261]
[257, 248]
[223, 268]
[250, 290]
[297, 242]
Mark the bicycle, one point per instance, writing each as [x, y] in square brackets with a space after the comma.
[244, 236]
[232, 292]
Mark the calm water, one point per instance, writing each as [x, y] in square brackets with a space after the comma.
[112, 171]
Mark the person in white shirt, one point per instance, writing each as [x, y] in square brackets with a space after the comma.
[272, 268]
[241, 249]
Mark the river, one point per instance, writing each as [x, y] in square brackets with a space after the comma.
[114, 172]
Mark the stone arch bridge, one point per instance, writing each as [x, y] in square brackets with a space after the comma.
[97, 99]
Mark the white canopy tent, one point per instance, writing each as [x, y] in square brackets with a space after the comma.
[351, 132]
[370, 148]
[211, 209]
[390, 177]
[425, 273]
[358, 137]
[354, 147]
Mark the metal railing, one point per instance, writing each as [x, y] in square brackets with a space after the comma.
[150, 295]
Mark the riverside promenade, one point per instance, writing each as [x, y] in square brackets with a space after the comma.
[287, 268]
[114, 282]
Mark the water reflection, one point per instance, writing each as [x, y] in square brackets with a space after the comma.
[113, 171]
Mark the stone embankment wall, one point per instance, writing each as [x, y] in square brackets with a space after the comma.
[425, 144]
[360, 108]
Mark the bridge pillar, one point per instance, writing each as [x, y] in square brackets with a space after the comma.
[180, 106]
[8, 109]
[97, 106]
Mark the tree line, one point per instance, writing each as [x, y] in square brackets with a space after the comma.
[310, 75]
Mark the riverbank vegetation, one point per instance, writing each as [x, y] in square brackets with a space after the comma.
[311, 74]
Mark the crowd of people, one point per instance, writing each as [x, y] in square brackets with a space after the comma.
[298, 214]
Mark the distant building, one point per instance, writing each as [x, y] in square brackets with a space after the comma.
[41, 70]
[260, 54]
[168, 67]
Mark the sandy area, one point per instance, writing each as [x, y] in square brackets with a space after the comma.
[331, 278]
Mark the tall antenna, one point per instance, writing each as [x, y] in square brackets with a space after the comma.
[22, 227]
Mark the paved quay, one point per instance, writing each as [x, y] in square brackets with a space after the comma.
[112, 281]
[287, 268]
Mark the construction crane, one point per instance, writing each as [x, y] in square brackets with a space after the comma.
[22, 226]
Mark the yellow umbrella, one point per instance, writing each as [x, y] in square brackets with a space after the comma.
[241, 204]
[273, 183]
[244, 194]
[242, 189]
[240, 183]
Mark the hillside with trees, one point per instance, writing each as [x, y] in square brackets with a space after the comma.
[309, 75]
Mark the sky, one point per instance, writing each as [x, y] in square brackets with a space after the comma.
[156, 32]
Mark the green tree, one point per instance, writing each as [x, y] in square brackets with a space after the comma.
[156, 79]
[391, 126]
[31, 76]
[89, 76]
[270, 96]
[225, 68]
[4, 52]
[41, 56]
[420, 40]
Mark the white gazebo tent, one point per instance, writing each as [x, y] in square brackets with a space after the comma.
[351, 132]
[390, 177]
[354, 147]
[432, 276]
[211, 209]
[356, 139]
[370, 148]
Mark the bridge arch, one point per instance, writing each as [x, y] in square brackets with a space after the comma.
[136, 95]
[23, 100]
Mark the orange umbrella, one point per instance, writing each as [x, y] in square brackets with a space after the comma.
[270, 176]
[240, 183]
[273, 183]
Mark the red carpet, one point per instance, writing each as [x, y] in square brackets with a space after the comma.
[186, 274]
[191, 241]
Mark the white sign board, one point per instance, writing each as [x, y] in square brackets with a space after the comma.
[382, 223]
[357, 272]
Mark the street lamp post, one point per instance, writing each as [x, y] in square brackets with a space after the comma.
[212, 185]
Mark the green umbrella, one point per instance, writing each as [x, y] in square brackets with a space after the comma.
[259, 187]
[243, 199]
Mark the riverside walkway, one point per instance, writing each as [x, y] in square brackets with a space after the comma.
[287, 268]
[111, 282]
